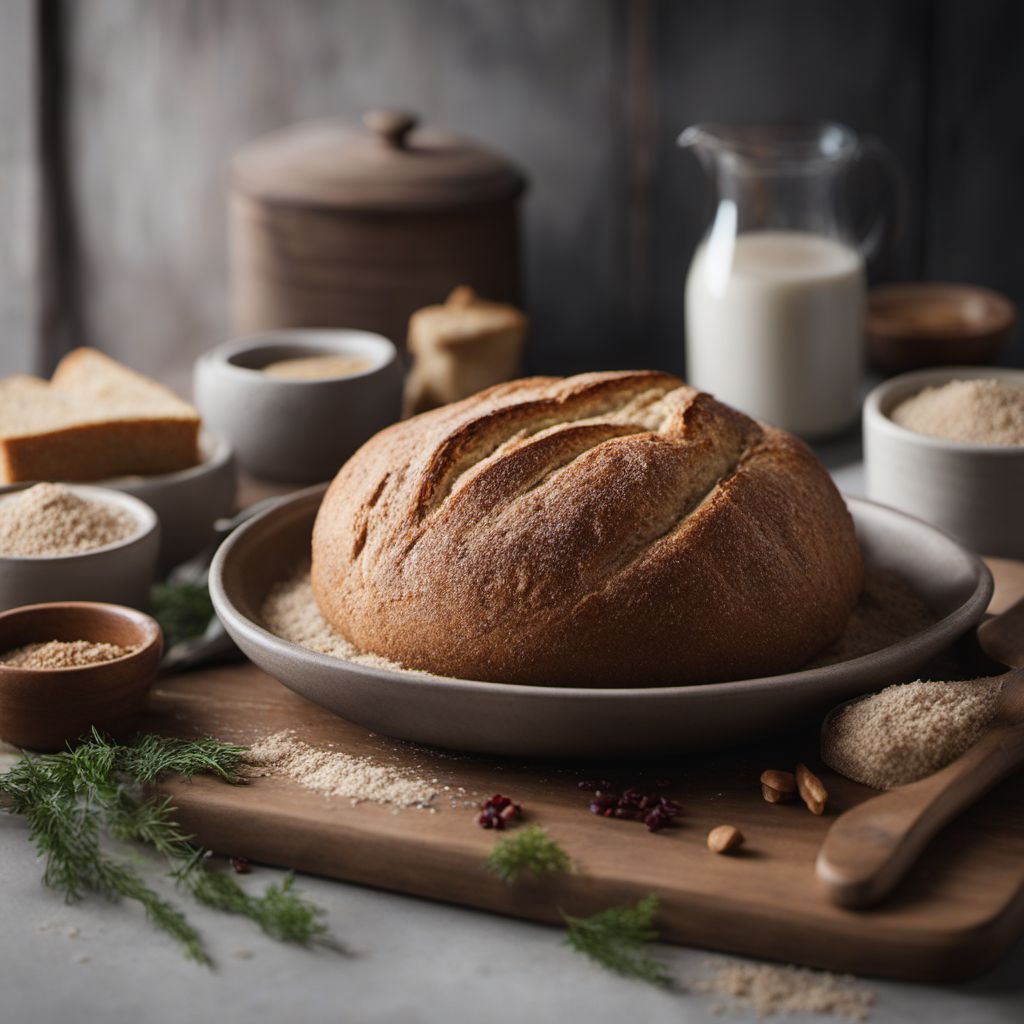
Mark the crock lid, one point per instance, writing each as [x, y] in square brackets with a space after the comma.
[389, 164]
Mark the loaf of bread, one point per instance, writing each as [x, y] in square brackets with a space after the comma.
[95, 419]
[462, 347]
[608, 529]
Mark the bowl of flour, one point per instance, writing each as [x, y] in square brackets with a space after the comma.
[75, 543]
[947, 446]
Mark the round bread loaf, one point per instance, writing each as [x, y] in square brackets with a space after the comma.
[608, 529]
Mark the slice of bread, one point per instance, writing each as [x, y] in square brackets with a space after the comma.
[462, 347]
[96, 419]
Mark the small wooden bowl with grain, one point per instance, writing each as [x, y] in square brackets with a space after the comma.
[47, 708]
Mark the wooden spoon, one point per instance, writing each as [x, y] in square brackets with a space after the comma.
[1002, 636]
[871, 847]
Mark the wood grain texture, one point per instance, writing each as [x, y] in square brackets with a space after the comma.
[587, 94]
[149, 160]
[975, 216]
[952, 918]
[21, 268]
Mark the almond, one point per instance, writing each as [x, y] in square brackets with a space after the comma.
[723, 838]
[812, 789]
[778, 786]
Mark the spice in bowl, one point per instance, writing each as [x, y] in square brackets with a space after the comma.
[317, 367]
[907, 731]
[981, 411]
[50, 520]
[54, 654]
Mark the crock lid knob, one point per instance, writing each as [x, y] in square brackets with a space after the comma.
[391, 126]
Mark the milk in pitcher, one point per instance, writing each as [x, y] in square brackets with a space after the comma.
[774, 326]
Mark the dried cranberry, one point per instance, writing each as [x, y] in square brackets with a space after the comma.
[633, 804]
[497, 812]
[241, 865]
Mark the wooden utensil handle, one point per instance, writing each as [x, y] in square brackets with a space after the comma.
[870, 848]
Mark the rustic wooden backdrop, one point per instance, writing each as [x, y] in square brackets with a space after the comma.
[117, 118]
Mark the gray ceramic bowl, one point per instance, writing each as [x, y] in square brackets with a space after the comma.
[120, 573]
[298, 431]
[187, 502]
[973, 491]
[498, 718]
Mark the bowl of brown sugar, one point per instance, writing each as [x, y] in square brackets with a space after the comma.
[75, 543]
[70, 666]
[947, 446]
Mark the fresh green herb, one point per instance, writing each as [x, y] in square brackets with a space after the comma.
[184, 610]
[531, 850]
[615, 938]
[73, 799]
[280, 912]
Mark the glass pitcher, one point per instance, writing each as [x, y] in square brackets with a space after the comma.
[775, 294]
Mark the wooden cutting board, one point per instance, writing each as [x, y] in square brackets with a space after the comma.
[954, 917]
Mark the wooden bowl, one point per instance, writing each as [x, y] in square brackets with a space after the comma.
[45, 709]
[911, 326]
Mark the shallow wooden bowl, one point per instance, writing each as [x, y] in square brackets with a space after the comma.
[910, 326]
[45, 709]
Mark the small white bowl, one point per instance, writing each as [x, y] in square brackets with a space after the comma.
[298, 431]
[119, 573]
[187, 502]
[973, 491]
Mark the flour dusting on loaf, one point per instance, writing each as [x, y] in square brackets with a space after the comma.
[608, 529]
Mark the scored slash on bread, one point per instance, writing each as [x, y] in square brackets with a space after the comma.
[608, 529]
[95, 419]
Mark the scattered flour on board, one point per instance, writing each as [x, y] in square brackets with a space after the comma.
[336, 774]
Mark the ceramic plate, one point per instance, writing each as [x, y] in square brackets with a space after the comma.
[503, 719]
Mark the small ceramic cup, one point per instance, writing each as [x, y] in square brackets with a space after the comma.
[121, 573]
[973, 491]
[292, 430]
[44, 709]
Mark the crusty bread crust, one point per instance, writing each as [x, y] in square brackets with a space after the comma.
[608, 529]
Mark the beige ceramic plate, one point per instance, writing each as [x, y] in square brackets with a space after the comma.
[497, 718]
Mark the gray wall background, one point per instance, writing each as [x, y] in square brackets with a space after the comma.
[117, 119]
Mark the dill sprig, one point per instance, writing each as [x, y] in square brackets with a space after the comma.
[184, 610]
[531, 850]
[280, 912]
[616, 939]
[73, 799]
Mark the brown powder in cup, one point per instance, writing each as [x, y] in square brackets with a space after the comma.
[336, 774]
[317, 367]
[985, 411]
[888, 610]
[48, 519]
[63, 654]
[907, 731]
[768, 990]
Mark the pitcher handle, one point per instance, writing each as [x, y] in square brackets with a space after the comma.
[889, 222]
